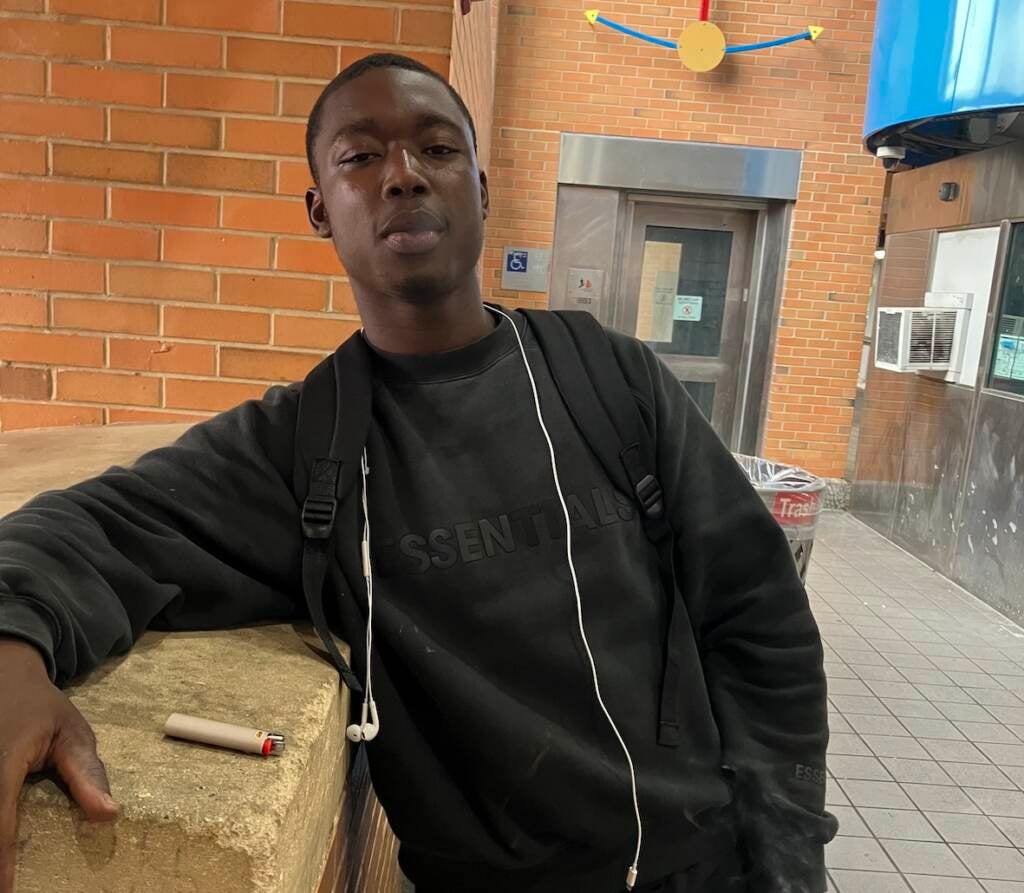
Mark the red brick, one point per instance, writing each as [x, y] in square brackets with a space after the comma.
[161, 129]
[106, 316]
[425, 28]
[216, 249]
[266, 365]
[108, 387]
[212, 395]
[312, 331]
[342, 298]
[118, 416]
[162, 356]
[214, 172]
[51, 119]
[222, 94]
[119, 10]
[250, 290]
[161, 282]
[23, 416]
[22, 157]
[50, 274]
[160, 206]
[224, 15]
[282, 57]
[22, 310]
[20, 234]
[22, 5]
[293, 178]
[298, 99]
[20, 383]
[161, 47]
[51, 199]
[340, 22]
[271, 215]
[265, 137]
[99, 240]
[49, 39]
[217, 325]
[107, 164]
[105, 84]
[308, 256]
[44, 347]
[26, 76]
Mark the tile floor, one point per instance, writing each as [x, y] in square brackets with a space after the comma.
[926, 691]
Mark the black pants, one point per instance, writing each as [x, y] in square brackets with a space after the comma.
[722, 876]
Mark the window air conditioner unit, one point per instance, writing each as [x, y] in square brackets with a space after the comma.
[920, 339]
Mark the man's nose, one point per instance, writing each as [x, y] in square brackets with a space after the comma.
[403, 176]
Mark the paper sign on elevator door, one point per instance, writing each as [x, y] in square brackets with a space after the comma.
[689, 308]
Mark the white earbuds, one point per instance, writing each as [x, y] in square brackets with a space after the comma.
[366, 730]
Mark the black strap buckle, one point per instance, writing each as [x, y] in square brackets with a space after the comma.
[648, 491]
[318, 517]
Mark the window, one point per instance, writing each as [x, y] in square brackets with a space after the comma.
[1008, 353]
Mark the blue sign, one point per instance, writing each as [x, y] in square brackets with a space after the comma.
[517, 261]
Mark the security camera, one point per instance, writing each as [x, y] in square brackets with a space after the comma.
[891, 156]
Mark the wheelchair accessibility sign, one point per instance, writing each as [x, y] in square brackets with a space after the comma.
[525, 269]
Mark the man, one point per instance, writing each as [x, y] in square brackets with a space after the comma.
[496, 767]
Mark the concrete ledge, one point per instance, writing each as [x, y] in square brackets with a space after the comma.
[197, 818]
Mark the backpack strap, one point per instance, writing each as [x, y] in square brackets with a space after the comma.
[329, 440]
[595, 391]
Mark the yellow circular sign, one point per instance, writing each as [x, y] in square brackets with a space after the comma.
[702, 46]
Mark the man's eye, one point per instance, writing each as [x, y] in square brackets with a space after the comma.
[440, 150]
[356, 158]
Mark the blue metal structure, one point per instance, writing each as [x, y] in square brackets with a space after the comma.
[947, 77]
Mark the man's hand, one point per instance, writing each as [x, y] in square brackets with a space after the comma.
[41, 728]
[467, 5]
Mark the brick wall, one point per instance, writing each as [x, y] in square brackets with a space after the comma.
[556, 73]
[155, 259]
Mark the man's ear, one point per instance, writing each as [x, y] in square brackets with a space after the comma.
[485, 195]
[317, 211]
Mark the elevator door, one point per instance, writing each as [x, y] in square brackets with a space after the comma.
[687, 272]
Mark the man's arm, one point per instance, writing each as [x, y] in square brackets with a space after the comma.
[760, 645]
[199, 534]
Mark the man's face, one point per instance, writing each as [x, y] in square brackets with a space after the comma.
[400, 192]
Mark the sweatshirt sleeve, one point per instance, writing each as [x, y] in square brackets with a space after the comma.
[200, 534]
[760, 645]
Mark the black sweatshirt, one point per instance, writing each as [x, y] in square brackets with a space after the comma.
[494, 763]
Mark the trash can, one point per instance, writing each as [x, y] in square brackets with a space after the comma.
[794, 497]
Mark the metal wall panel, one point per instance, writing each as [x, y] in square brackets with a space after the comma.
[989, 555]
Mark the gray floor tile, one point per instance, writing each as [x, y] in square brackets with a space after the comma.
[857, 853]
[1016, 774]
[1004, 754]
[975, 681]
[955, 751]
[850, 705]
[925, 677]
[932, 728]
[898, 824]
[895, 746]
[857, 767]
[921, 857]
[972, 775]
[995, 802]
[987, 733]
[917, 771]
[904, 661]
[1003, 887]
[837, 723]
[1012, 828]
[924, 884]
[965, 712]
[876, 725]
[939, 693]
[847, 687]
[850, 822]
[880, 674]
[895, 690]
[848, 745]
[959, 828]
[834, 795]
[940, 798]
[998, 699]
[1007, 714]
[885, 794]
[869, 882]
[993, 863]
[920, 708]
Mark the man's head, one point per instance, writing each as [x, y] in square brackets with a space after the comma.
[392, 151]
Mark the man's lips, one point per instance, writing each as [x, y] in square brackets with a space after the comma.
[412, 232]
